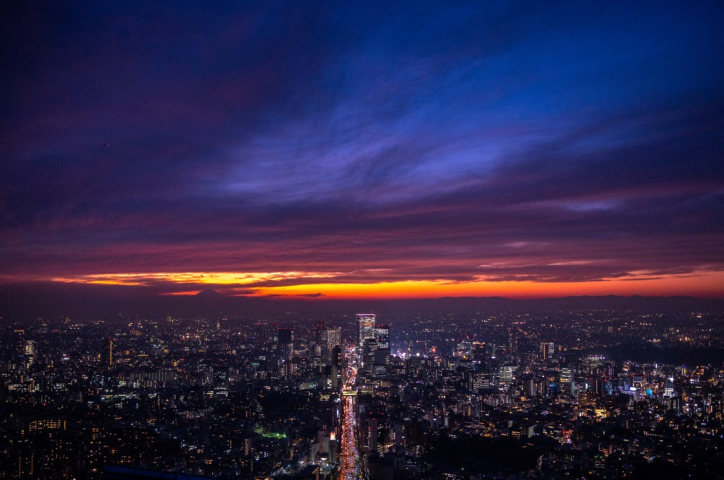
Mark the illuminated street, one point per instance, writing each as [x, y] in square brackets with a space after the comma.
[349, 468]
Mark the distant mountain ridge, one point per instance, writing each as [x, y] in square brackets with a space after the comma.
[19, 302]
[209, 293]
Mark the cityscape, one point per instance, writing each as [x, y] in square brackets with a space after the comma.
[583, 393]
[337, 240]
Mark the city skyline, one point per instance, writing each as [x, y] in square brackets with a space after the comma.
[314, 151]
[595, 393]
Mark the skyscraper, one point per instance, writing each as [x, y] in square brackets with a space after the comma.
[332, 337]
[367, 356]
[29, 352]
[264, 334]
[286, 342]
[107, 353]
[365, 329]
[566, 380]
[547, 350]
[320, 332]
[285, 336]
[19, 341]
[382, 335]
[381, 355]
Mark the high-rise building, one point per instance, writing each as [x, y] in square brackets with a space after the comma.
[566, 380]
[478, 380]
[382, 335]
[19, 335]
[320, 332]
[513, 340]
[29, 348]
[373, 434]
[669, 390]
[332, 337]
[263, 334]
[29, 352]
[337, 357]
[547, 350]
[529, 387]
[506, 374]
[285, 336]
[367, 358]
[107, 353]
[286, 341]
[381, 355]
[365, 329]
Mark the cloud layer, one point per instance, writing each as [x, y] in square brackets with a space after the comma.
[369, 143]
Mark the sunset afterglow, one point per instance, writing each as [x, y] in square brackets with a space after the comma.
[341, 151]
[319, 285]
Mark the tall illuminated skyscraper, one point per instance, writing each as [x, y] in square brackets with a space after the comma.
[382, 335]
[19, 341]
[107, 353]
[286, 342]
[381, 357]
[320, 332]
[332, 338]
[547, 350]
[365, 329]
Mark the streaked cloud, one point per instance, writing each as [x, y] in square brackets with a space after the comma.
[418, 148]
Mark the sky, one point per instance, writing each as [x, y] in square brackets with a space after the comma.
[364, 149]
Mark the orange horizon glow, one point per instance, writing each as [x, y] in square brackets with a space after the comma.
[508, 289]
[704, 284]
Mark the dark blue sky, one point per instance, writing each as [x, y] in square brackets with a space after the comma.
[520, 142]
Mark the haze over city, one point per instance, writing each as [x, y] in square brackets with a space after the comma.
[337, 150]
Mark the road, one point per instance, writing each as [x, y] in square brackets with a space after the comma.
[349, 453]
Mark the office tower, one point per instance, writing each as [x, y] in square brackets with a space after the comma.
[513, 340]
[669, 389]
[478, 380]
[506, 374]
[381, 355]
[29, 352]
[529, 387]
[332, 337]
[566, 380]
[337, 357]
[598, 386]
[365, 329]
[368, 355]
[263, 333]
[107, 353]
[547, 350]
[382, 335]
[373, 433]
[320, 332]
[29, 348]
[19, 341]
[285, 336]
[221, 377]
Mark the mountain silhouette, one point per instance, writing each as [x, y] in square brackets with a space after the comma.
[209, 293]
